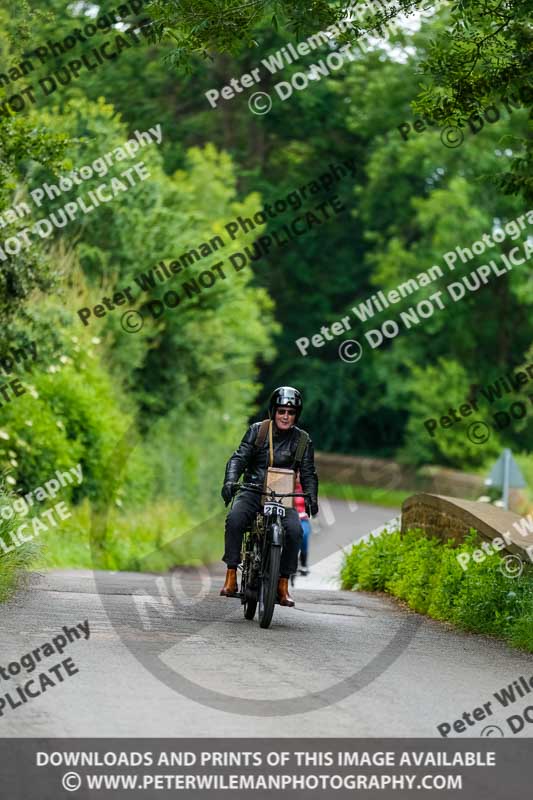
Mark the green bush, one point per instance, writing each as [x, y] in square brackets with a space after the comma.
[370, 566]
[448, 447]
[153, 539]
[175, 398]
[13, 562]
[69, 415]
[426, 574]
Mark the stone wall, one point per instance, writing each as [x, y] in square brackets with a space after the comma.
[360, 471]
[387, 474]
[450, 518]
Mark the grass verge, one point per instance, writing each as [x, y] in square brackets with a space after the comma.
[154, 539]
[14, 560]
[425, 573]
[391, 498]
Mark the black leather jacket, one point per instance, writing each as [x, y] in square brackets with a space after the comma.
[253, 462]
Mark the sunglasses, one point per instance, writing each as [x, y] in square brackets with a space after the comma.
[282, 411]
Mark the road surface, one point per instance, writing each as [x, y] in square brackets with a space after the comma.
[165, 652]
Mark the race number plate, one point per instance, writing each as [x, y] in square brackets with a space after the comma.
[274, 509]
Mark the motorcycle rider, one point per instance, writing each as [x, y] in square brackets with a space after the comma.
[252, 459]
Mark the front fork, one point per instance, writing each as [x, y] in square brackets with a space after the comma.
[274, 537]
[277, 534]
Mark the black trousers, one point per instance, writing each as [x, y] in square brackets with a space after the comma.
[240, 519]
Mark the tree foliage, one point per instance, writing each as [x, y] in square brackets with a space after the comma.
[483, 53]
[188, 382]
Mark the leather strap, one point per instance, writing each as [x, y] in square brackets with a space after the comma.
[265, 429]
[262, 433]
[302, 444]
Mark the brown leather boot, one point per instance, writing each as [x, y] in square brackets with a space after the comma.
[284, 597]
[230, 586]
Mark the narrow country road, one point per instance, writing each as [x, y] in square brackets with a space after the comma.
[167, 656]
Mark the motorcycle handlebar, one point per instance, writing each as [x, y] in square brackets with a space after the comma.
[261, 490]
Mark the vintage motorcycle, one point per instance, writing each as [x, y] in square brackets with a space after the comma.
[261, 554]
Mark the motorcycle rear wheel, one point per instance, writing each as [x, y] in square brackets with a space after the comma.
[250, 603]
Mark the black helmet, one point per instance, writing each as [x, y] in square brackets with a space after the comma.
[285, 396]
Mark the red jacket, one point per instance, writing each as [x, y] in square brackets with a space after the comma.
[299, 502]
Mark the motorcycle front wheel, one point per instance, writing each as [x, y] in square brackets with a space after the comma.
[268, 589]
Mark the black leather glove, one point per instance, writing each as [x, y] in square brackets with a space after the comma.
[227, 492]
[311, 508]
